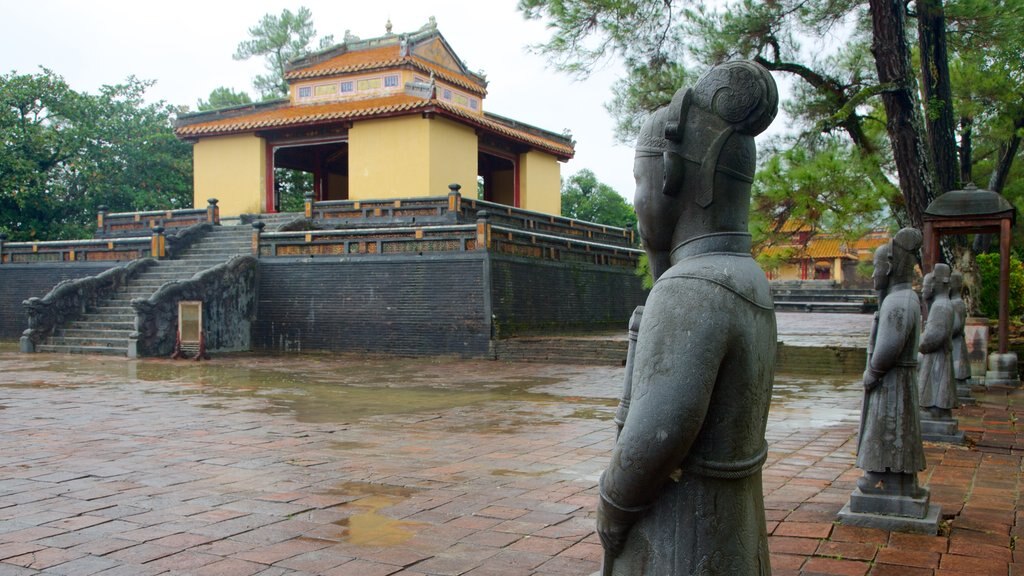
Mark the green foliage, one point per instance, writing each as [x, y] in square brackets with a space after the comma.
[65, 153]
[988, 270]
[292, 186]
[279, 39]
[585, 198]
[223, 97]
[834, 93]
[821, 187]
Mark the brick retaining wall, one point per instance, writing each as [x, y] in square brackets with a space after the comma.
[18, 282]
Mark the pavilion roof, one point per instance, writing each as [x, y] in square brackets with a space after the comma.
[381, 57]
[281, 114]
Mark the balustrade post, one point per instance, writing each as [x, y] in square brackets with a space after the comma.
[257, 231]
[212, 211]
[101, 217]
[310, 200]
[158, 244]
[454, 198]
[483, 230]
[3, 238]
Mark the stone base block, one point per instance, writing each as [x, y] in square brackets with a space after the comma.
[888, 505]
[941, 431]
[927, 525]
[1002, 371]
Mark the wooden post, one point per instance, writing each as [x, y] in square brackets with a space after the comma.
[483, 230]
[1004, 285]
[310, 200]
[257, 230]
[101, 217]
[157, 247]
[212, 211]
[454, 198]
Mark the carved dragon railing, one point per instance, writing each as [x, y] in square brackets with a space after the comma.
[69, 299]
[228, 294]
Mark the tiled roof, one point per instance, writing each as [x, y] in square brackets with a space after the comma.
[382, 57]
[286, 116]
[828, 248]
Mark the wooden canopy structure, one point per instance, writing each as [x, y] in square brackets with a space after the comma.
[973, 211]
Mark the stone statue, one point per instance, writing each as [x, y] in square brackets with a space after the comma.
[682, 493]
[961, 357]
[889, 449]
[935, 373]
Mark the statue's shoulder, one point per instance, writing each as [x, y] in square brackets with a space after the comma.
[738, 274]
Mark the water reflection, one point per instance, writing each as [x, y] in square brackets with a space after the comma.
[328, 388]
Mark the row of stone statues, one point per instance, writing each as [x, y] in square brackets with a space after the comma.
[682, 493]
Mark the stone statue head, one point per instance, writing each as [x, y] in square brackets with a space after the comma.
[936, 282]
[956, 283]
[905, 249]
[883, 266]
[695, 158]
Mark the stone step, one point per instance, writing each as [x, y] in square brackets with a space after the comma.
[103, 350]
[101, 324]
[93, 332]
[91, 341]
[127, 316]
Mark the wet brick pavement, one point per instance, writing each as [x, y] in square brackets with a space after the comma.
[344, 466]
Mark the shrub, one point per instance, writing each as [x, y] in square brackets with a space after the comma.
[988, 270]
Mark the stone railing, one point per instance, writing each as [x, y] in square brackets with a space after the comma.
[115, 249]
[114, 224]
[228, 294]
[157, 245]
[71, 298]
[483, 235]
[179, 241]
[455, 209]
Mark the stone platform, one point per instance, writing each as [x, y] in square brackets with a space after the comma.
[335, 465]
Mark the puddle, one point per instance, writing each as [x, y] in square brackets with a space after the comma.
[367, 526]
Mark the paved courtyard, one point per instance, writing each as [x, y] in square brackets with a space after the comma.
[334, 465]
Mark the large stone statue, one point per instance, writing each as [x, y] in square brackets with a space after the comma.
[889, 449]
[935, 374]
[961, 356]
[682, 493]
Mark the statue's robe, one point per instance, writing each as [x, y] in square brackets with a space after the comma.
[692, 446]
[961, 360]
[890, 433]
[935, 374]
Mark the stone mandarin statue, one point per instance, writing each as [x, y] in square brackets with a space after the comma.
[682, 493]
[961, 358]
[935, 374]
[889, 449]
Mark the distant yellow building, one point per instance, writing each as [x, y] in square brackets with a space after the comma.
[810, 255]
[398, 116]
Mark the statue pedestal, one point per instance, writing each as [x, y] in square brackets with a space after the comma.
[891, 512]
[941, 430]
[976, 336]
[1002, 370]
[963, 393]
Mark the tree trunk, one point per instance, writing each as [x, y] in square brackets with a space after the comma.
[938, 94]
[966, 149]
[1007, 152]
[904, 125]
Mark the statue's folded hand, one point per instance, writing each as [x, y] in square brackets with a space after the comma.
[611, 530]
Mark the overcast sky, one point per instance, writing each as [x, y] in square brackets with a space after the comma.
[186, 46]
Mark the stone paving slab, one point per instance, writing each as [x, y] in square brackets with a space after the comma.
[334, 465]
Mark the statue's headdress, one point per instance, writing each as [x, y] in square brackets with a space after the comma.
[737, 97]
[905, 247]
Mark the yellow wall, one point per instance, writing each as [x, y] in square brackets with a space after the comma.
[231, 169]
[540, 183]
[453, 157]
[410, 156]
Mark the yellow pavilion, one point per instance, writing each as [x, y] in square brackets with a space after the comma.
[399, 116]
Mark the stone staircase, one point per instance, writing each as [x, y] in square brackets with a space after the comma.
[104, 329]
